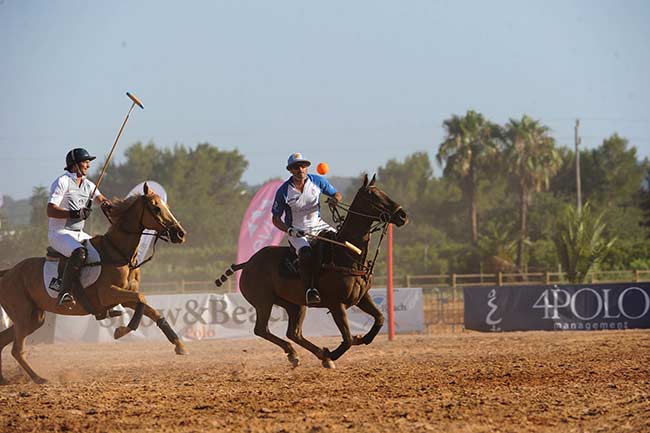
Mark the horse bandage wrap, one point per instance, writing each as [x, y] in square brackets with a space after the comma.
[231, 270]
[167, 330]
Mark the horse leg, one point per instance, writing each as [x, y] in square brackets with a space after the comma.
[156, 317]
[21, 331]
[341, 319]
[115, 295]
[262, 329]
[367, 305]
[296, 315]
[6, 337]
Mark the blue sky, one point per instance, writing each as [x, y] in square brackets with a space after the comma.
[353, 84]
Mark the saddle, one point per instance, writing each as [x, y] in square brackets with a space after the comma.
[53, 274]
[322, 252]
[52, 255]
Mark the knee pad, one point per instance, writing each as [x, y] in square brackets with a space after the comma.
[79, 256]
[305, 256]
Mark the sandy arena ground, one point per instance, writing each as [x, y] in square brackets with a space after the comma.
[462, 382]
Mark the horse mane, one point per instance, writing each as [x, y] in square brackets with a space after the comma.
[120, 206]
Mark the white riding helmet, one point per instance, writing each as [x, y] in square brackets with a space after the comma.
[295, 158]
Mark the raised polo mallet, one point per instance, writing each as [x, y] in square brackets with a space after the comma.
[137, 102]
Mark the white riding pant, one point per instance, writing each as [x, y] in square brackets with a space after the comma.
[66, 241]
[303, 241]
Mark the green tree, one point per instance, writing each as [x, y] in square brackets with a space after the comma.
[531, 160]
[610, 174]
[644, 202]
[470, 144]
[619, 173]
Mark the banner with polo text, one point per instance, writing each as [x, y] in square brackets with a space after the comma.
[558, 307]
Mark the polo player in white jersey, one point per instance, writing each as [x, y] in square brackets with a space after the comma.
[67, 211]
[299, 200]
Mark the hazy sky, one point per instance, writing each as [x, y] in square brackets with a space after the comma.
[351, 83]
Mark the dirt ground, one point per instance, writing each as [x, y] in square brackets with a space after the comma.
[461, 382]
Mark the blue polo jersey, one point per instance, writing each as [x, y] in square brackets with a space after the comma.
[302, 209]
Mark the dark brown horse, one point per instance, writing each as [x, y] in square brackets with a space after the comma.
[344, 278]
[23, 295]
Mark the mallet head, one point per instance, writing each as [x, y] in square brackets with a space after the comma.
[135, 100]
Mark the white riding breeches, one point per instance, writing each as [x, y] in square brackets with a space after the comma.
[66, 241]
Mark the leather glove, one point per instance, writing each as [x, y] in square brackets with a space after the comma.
[82, 213]
[296, 233]
[107, 206]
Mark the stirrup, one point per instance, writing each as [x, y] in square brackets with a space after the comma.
[66, 300]
[312, 297]
[114, 313]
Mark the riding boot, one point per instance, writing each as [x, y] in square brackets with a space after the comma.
[306, 270]
[71, 275]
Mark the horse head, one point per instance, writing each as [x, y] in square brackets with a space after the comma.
[375, 203]
[159, 218]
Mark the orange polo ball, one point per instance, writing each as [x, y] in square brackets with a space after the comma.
[322, 168]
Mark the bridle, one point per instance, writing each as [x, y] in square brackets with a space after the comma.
[380, 222]
[163, 233]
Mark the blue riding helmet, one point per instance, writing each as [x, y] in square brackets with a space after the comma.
[296, 158]
[76, 156]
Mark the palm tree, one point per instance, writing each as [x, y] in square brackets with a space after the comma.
[580, 242]
[497, 245]
[531, 160]
[470, 143]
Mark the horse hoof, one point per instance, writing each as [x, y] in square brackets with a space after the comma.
[39, 380]
[293, 359]
[3, 381]
[181, 350]
[121, 332]
[328, 363]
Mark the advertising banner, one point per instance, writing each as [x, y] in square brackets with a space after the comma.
[257, 231]
[558, 307]
[209, 316]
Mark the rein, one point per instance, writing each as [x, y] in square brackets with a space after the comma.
[162, 234]
[379, 223]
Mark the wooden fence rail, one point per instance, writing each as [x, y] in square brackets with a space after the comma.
[425, 281]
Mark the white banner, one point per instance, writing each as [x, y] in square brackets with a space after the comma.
[208, 316]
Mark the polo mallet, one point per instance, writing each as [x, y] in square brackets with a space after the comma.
[137, 102]
[345, 244]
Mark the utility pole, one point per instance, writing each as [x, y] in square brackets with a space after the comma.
[578, 188]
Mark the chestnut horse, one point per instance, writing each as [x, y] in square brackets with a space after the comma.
[24, 298]
[344, 278]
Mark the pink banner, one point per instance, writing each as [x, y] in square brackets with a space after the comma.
[257, 229]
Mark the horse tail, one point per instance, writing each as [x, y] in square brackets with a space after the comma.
[231, 270]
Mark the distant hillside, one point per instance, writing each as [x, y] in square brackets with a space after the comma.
[344, 185]
[16, 212]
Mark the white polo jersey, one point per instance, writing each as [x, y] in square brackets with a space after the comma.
[65, 193]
